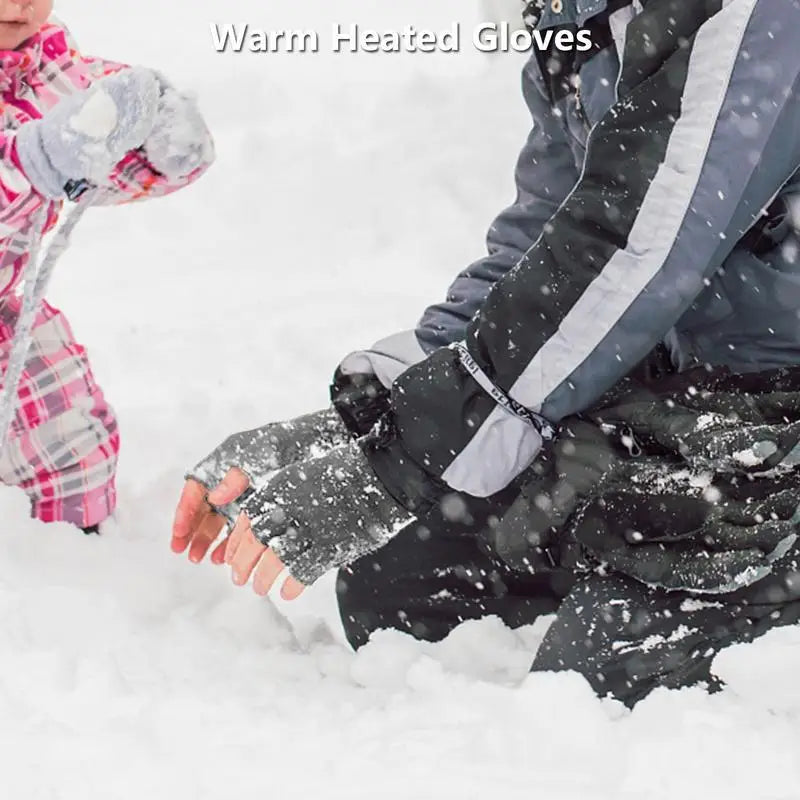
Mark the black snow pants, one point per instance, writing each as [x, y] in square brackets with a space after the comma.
[623, 637]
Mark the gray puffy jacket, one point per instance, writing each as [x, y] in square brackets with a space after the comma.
[649, 160]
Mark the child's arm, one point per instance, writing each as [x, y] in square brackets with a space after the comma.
[81, 137]
[20, 204]
[138, 174]
[19, 200]
[179, 129]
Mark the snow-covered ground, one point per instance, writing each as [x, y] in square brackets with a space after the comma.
[345, 196]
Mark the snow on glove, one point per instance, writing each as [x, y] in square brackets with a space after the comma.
[743, 431]
[260, 452]
[556, 485]
[589, 459]
[708, 440]
[666, 532]
[179, 142]
[324, 513]
[737, 448]
[87, 133]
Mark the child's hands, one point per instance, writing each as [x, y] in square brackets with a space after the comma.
[86, 134]
[179, 142]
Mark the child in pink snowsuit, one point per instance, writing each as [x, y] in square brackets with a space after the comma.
[128, 142]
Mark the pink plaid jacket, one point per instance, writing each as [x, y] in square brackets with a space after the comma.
[33, 79]
[64, 440]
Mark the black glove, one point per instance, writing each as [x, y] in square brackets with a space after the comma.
[625, 462]
[669, 533]
[361, 400]
[262, 451]
[324, 512]
[574, 469]
[712, 427]
[750, 448]
[708, 440]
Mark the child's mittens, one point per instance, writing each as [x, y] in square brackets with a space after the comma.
[179, 142]
[86, 134]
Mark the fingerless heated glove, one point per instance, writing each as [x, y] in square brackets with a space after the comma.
[261, 451]
[324, 512]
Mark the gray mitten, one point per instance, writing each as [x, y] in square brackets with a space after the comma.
[262, 451]
[325, 513]
[179, 142]
[87, 133]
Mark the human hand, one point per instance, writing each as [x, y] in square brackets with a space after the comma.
[247, 556]
[715, 542]
[215, 486]
[260, 452]
[87, 133]
[317, 515]
[179, 142]
[198, 521]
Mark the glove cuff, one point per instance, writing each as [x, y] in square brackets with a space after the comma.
[360, 400]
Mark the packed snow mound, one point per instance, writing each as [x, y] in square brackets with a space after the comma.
[128, 673]
[338, 209]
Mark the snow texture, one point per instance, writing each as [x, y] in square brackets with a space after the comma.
[176, 145]
[343, 201]
[87, 133]
[97, 117]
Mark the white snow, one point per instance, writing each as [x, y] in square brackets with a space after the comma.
[749, 457]
[97, 117]
[343, 201]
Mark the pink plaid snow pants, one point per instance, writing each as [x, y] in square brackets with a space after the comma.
[63, 444]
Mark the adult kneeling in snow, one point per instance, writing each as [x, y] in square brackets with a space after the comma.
[523, 451]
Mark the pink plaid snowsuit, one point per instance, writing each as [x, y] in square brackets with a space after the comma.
[64, 440]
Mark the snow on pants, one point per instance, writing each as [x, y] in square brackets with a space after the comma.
[63, 444]
[623, 637]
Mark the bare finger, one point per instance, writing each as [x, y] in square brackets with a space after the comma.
[218, 555]
[247, 555]
[229, 488]
[242, 525]
[292, 588]
[191, 509]
[267, 571]
[206, 535]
